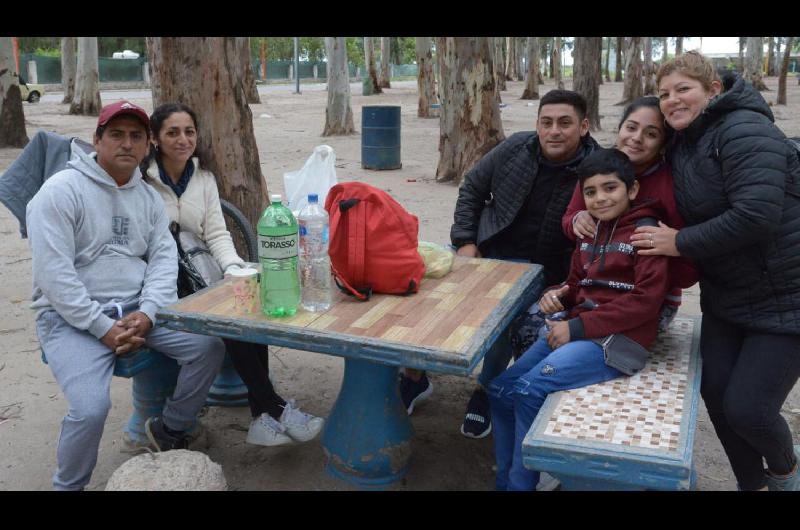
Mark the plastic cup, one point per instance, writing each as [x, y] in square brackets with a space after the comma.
[245, 290]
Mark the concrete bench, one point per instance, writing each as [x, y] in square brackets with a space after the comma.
[633, 433]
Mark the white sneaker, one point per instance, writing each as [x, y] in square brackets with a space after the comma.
[300, 426]
[266, 430]
[547, 482]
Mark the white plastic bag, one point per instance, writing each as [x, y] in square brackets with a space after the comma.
[317, 175]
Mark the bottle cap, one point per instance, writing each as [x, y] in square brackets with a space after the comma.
[313, 197]
[275, 197]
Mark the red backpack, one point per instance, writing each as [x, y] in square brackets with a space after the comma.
[373, 242]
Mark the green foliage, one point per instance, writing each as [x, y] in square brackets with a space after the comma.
[106, 46]
[47, 52]
[282, 48]
[355, 50]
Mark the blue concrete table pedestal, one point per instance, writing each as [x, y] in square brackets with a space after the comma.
[367, 436]
[228, 390]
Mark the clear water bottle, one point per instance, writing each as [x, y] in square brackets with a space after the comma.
[277, 252]
[315, 265]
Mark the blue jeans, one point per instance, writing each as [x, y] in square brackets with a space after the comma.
[516, 396]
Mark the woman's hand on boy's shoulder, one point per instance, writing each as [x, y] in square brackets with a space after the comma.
[658, 240]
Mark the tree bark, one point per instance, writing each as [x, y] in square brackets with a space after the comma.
[742, 43]
[384, 80]
[469, 126]
[606, 71]
[648, 69]
[338, 113]
[557, 74]
[498, 64]
[754, 62]
[511, 57]
[618, 66]
[87, 85]
[771, 56]
[665, 51]
[784, 70]
[249, 80]
[586, 76]
[12, 118]
[678, 46]
[426, 81]
[599, 63]
[69, 67]
[519, 71]
[778, 56]
[532, 79]
[205, 73]
[542, 58]
[369, 61]
[632, 88]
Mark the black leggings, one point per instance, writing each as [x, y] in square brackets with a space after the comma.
[252, 362]
[746, 378]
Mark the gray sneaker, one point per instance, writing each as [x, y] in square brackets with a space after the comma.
[790, 483]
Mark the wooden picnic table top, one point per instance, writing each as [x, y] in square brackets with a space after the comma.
[447, 326]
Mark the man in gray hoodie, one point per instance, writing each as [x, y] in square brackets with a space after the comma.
[104, 262]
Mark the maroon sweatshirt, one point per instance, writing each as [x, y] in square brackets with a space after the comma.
[655, 183]
[612, 288]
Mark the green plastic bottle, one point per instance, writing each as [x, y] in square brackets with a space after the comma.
[277, 252]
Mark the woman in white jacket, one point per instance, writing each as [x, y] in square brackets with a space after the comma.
[192, 200]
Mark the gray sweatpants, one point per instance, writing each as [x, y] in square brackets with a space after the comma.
[83, 367]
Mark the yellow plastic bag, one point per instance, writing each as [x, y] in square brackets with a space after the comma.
[438, 259]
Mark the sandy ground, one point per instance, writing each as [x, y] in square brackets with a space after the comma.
[288, 127]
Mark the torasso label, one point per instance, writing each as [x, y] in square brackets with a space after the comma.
[277, 247]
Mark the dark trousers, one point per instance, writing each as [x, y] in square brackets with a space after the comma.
[746, 378]
[252, 363]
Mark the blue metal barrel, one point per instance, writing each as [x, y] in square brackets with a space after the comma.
[380, 137]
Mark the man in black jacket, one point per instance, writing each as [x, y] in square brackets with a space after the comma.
[510, 207]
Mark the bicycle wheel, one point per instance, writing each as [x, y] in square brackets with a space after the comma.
[244, 237]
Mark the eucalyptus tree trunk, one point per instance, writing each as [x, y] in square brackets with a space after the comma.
[557, 74]
[599, 64]
[249, 80]
[678, 46]
[754, 62]
[648, 69]
[369, 61]
[518, 68]
[742, 43]
[338, 114]
[12, 118]
[69, 67]
[784, 70]
[606, 71]
[551, 46]
[87, 84]
[205, 73]
[543, 45]
[426, 81]
[469, 126]
[632, 88]
[498, 64]
[618, 66]
[532, 82]
[384, 80]
[665, 49]
[778, 56]
[586, 76]
[511, 57]
[771, 66]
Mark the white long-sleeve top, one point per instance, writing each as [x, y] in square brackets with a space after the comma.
[198, 211]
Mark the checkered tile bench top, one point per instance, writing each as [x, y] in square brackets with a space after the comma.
[643, 411]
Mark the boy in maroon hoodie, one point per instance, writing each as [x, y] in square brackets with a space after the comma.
[612, 297]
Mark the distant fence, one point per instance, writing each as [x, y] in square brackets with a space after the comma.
[48, 69]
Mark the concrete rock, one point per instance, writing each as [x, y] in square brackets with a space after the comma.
[178, 470]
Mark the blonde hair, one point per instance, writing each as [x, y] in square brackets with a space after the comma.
[691, 64]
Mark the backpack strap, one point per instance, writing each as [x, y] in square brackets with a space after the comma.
[356, 249]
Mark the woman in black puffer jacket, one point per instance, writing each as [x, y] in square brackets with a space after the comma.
[737, 185]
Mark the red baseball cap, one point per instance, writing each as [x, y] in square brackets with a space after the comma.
[118, 108]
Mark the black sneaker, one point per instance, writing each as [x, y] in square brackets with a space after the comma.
[478, 419]
[414, 392]
[160, 438]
